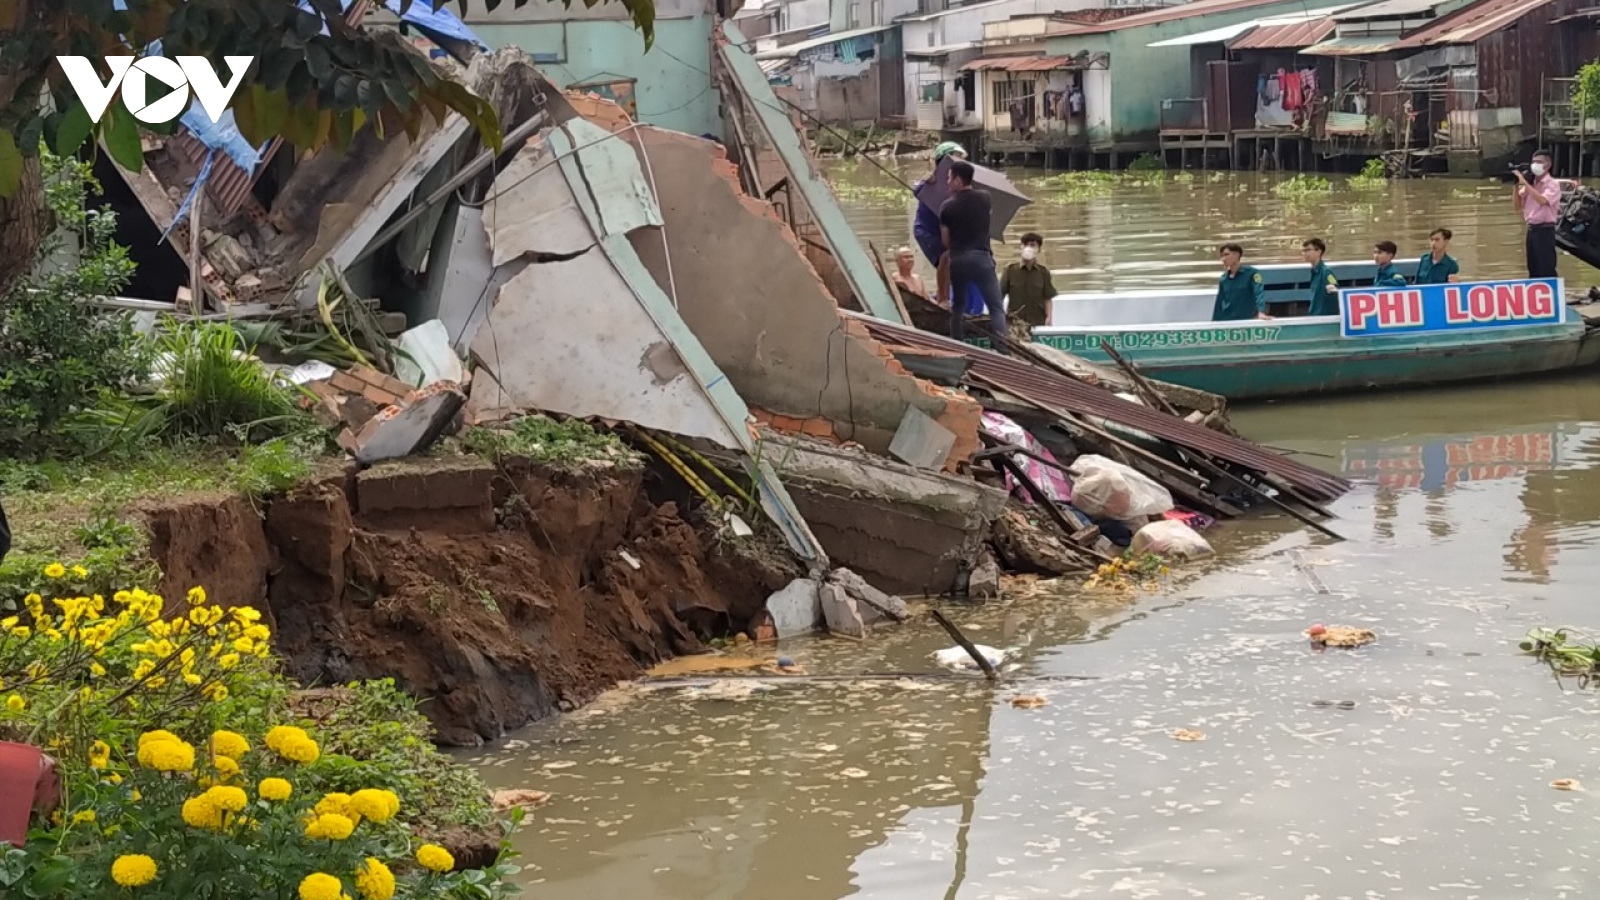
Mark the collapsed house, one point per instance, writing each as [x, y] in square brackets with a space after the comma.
[604, 269]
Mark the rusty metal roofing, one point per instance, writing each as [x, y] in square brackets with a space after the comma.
[1165, 14]
[1365, 45]
[1042, 64]
[1472, 24]
[993, 62]
[1288, 36]
[1070, 395]
[1392, 8]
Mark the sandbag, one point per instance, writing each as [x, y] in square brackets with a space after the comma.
[1106, 489]
[1171, 539]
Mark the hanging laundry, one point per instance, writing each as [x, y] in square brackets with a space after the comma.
[1291, 90]
[1274, 89]
[1261, 87]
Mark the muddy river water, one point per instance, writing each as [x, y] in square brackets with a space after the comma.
[1477, 518]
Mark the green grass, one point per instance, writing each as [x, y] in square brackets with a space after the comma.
[571, 443]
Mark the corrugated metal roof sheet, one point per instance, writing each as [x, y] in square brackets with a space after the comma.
[794, 49]
[1214, 36]
[1385, 8]
[936, 52]
[1289, 36]
[993, 62]
[1470, 25]
[1041, 64]
[1158, 16]
[1354, 46]
[1057, 390]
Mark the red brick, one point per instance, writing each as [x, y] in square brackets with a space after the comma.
[347, 382]
[817, 427]
[379, 396]
[787, 423]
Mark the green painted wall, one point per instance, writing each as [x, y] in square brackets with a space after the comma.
[1142, 76]
[673, 88]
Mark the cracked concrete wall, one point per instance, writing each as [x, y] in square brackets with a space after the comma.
[742, 284]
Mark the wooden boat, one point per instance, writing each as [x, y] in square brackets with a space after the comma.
[1170, 336]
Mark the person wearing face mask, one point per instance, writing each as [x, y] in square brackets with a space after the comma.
[925, 229]
[1539, 201]
[1027, 287]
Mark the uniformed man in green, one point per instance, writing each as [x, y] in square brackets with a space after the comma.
[1324, 287]
[1239, 292]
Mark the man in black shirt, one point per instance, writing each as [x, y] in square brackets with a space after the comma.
[964, 220]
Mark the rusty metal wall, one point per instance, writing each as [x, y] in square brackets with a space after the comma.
[1514, 62]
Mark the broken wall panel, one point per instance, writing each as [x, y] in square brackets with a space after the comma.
[570, 337]
[744, 287]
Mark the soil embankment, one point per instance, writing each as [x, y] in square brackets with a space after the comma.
[497, 595]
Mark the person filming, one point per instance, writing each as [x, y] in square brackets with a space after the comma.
[1538, 198]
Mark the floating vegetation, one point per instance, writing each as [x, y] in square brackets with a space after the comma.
[1373, 176]
[870, 193]
[1567, 651]
[1076, 187]
[1129, 571]
[1303, 186]
[1147, 162]
[1184, 178]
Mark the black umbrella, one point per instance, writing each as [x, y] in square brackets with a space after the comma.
[1005, 196]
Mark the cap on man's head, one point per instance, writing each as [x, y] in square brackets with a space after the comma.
[947, 148]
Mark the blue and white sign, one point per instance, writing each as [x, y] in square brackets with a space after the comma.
[1433, 308]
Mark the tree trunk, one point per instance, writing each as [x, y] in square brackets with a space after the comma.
[24, 223]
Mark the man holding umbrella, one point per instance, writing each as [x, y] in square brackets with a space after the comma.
[925, 228]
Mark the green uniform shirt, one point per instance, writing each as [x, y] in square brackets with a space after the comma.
[1030, 290]
[1430, 272]
[1388, 277]
[1322, 302]
[1239, 296]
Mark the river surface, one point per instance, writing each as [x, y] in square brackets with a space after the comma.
[1476, 518]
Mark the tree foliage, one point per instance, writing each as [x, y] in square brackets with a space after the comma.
[315, 80]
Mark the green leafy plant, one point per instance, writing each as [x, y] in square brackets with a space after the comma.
[543, 440]
[1374, 175]
[1303, 186]
[1586, 90]
[56, 352]
[275, 466]
[1147, 162]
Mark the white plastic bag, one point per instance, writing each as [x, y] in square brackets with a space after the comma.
[1170, 538]
[1105, 488]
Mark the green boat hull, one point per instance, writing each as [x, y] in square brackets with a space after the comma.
[1292, 358]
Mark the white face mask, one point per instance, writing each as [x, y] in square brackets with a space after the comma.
[1537, 169]
[1029, 252]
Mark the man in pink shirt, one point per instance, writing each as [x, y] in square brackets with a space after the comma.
[1539, 201]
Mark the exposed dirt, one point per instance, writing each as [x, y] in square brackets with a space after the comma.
[496, 596]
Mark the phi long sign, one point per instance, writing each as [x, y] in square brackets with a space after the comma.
[1433, 308]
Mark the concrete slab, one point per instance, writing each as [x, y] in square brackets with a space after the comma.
[839, 610]
[411, 426]
[922, 442]
[797, 609]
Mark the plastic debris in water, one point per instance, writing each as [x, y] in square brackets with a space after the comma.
[1029, 702]
[957, 658]
[1340, 636]
[1566, 784]
[1188, 734]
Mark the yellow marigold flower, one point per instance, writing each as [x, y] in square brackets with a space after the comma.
[133, 870]
[249, 615]
[334, 803]
[15, 703]
[379, 806]
[156, 683]
[114, 778]
[330, 827]
[281, 733]
[227, 799]
[228, 661]
[55, 570]
[244, 645]
[197, 596]
[80, 572]
[167, 756]
[302, 750]
[9, 622]
[435, 858]
[97, 670]
[199, 812]
[374, 880]
[150, 737]
[135, 796]
[85, 817]
[229, 743]
[227, 768]
[321, 886]
[275, 789]
[99, 755]
[22, 631]
[192, 679]
[216, 691]
[121, 598]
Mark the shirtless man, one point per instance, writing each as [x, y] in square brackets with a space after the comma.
[905, 274]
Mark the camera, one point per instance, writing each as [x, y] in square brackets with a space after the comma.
[1524, 168]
